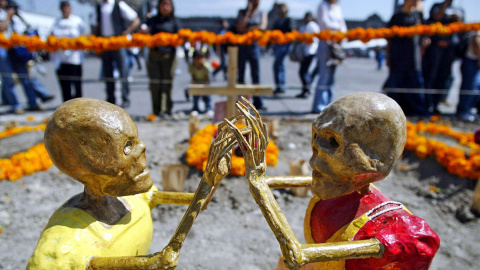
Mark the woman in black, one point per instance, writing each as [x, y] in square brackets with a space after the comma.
[162, 60]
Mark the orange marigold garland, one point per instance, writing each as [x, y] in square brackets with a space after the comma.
[16, 130]
[99, 44]
[25, 163]
[452, 158]
[197, 152]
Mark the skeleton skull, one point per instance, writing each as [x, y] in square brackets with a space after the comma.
[97, 143]
[356, 141]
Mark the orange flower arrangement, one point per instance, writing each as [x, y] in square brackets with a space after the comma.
[26, 163]
[452, 158]
[16, 130]
[197, 152]
[99, 44]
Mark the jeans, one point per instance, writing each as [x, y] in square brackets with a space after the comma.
[250, 53]
[39, 89]
[326, 80]
[437, 72]
[120, 58]
[7, 68]
[206, 100]
[470, 81]
[161, 67]
[303, 73]
[412, 104]
[70, 76]
[279, 65]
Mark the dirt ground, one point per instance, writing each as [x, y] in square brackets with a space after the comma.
[232, 233]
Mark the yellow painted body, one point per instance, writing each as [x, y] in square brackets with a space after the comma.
[72, 236]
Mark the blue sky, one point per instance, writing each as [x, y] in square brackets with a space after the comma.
[352, 9]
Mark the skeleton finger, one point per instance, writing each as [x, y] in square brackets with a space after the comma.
[244, 146]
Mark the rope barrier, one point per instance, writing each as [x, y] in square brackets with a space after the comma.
[99, 44]
[287, 87]
[147, 81]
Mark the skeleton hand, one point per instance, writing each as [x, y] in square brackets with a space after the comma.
[219, 158]
[254, 149]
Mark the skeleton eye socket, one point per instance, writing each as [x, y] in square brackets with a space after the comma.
[127, 149]
[326, 141]
[333, 142]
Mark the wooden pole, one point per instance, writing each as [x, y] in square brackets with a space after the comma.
[232, 79]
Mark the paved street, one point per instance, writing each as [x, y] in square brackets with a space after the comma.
[358, 74]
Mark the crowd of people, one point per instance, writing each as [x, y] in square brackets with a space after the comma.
[420, 68]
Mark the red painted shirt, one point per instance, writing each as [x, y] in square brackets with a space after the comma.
[409, 241]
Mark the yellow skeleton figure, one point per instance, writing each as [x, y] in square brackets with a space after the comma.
[109, 225]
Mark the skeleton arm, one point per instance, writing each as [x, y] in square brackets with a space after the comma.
[218, 166]
[294, 253]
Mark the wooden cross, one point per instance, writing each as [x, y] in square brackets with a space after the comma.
[232, 90]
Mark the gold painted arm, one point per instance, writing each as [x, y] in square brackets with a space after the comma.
[288, 181]
[178, 198]
[342, 250]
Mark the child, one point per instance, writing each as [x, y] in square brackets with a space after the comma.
[200, 70]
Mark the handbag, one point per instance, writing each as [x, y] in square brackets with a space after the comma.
[337, 52]
[297, 52]
[20, 54]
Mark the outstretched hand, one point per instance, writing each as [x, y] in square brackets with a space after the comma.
[253, 147]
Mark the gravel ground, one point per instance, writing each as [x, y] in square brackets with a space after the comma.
[233, 232]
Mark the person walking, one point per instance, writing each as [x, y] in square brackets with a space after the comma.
[283, 24]
[404, 61]
[11, 63]
[249, 19]
[69, 62]
[310, 50]
[162, 60]
[470, 80]
[439, 55]
[115, 18]
[330, 17]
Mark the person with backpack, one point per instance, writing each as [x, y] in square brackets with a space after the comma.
[12, 62]
[115, 18]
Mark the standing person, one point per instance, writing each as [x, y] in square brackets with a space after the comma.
[247, 20]
[115, 18]
[310, 50]
[404, 60]
[69, 62]
[284, 24]
[200, 71]
[439, 55]
[9, 65]
[470, 79]
[330, 17]
[221, 51]
[162, 61]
